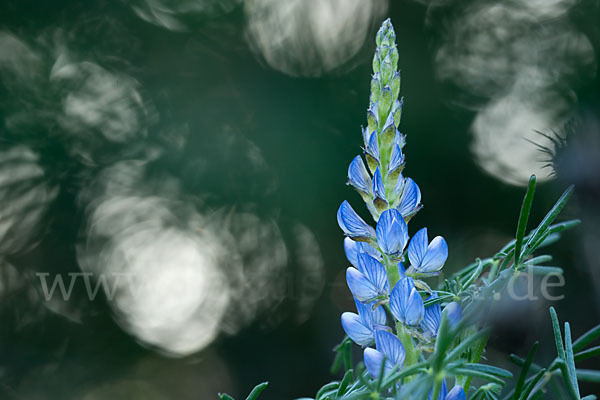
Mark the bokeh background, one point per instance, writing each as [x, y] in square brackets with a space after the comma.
[194, 153]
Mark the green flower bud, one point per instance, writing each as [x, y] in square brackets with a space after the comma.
[395, 84]
[385, 103]
[375, 88]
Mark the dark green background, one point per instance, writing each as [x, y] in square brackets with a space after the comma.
[207, 81]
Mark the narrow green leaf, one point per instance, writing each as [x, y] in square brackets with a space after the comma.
[326, 388]
[225, 396]
[543, 227]
[582, 355]
[523, 217]
[589, 397]
[567, 379]
[529, 388]
[557, 335]
[586, 338]
[588, 375]
[570, 357]
[539, 259]
[462, 347]
[443, 341]
[544, 270]
[547, 240]
[525, 369]
[488, 369]
[436, 300]
[477, 374]
[346, 380]
[563, 226]
[257, 390]
[473, 276]
[408, 371]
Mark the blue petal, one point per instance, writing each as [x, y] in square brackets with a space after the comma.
[417, 248]
[427, 258]
[378, 187]
[352, 224]
[406, 304]
[453, 312]
[373, 360]
[396, 160]
[358, 175]
[353, 248]
[410, 201]
[415, 310]
[360, 286]
[373, 146]
[431, 319]
[456, 393]
[390, 346]
[436, 256]
[365, 135]
[372, 318]
[356, 330]
[391, 231]
[401, 270]
[375, 273]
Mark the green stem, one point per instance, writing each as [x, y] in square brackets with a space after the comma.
[392, 271]
[411, 357]
[438, 386]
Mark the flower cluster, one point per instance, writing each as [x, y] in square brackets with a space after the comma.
[387, 265]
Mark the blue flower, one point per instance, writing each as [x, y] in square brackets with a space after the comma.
[388, 346]
[352, 224]
[391, 232]
[360, 327]
[369, 280]
[453, 312]
[410, 199]
[431, 319]
[456, 393]
[396, 161]
[378, 190]
[406, 303]
[427, 257]
[373, 147]
[353, 248]
[358, 176]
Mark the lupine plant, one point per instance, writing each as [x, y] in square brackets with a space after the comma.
[420, 342]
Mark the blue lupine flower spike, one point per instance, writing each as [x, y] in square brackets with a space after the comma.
[425, 257]
[388, 346]
[391, 232]
[352, 224]
[406, 303]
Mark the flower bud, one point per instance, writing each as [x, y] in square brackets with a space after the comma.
[375, 88]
